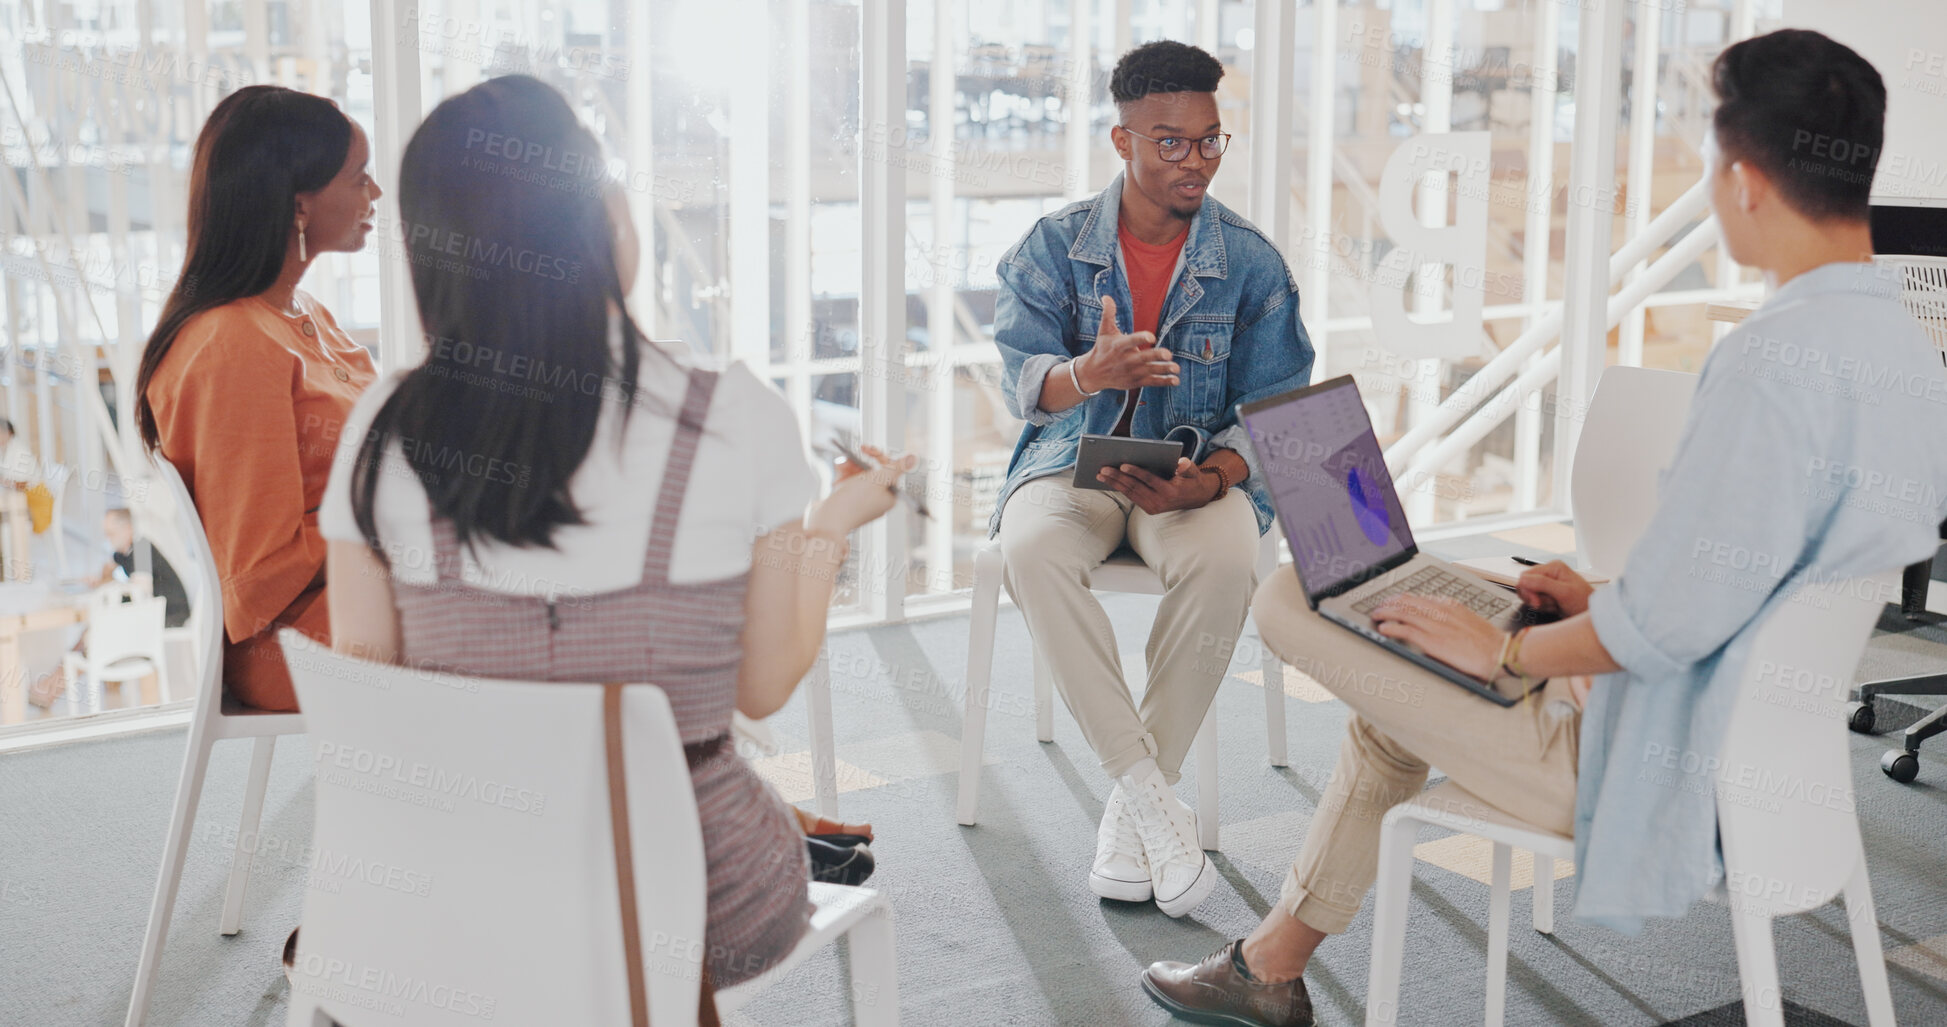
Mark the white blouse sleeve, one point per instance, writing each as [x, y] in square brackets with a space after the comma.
[781, 466]
[335, 520]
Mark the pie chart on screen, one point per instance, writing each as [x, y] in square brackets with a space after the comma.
[1368, 507]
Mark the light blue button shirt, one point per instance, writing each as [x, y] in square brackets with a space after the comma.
[1816, 447]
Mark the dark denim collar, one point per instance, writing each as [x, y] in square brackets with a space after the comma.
[1203, 251]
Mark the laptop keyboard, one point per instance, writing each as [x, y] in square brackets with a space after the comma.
[1435, 583]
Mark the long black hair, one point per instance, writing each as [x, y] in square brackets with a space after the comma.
[261, 147]
[513, 263]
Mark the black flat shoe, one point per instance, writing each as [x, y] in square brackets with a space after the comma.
[839, 864]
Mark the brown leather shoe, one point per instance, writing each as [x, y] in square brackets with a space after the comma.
[1216, 991]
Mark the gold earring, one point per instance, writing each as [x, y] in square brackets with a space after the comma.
[301, 255]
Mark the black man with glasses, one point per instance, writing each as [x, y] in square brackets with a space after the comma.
[1151, 311]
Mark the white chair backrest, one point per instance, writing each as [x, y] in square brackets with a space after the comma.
[1923, 291]
[1784, 782]
[120, 631]
[1631, 433]
[206, 599]
[463, 841]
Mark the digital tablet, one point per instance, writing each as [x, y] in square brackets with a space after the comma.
[1157, 456]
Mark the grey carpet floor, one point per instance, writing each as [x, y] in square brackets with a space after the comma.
[995, 924]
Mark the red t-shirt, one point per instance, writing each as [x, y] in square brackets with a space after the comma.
[1149, 268]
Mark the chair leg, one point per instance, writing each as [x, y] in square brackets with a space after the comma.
[1497, 935]
[1044, 698]
[1206, 746]
[261, 751]
[1865, 945]
[1275, 732]
[875, 971]
[980, 673]
[1757, 968]
[189, 793]
[1393, 888]
[1544, 894]
[824, 752]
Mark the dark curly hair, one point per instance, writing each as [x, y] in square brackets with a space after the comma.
[1807, 111]
[1164, 66]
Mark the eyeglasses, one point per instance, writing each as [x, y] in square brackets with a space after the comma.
[1175, 148]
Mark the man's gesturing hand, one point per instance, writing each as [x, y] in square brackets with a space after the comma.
[1121, 361]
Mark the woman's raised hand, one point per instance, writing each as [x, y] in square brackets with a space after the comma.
[861, 495]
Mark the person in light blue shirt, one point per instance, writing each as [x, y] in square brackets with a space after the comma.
[1815, 449]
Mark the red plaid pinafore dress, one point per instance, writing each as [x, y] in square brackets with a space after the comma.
[684, 639]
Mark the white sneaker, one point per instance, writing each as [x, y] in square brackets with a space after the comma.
[1121, 870]
[1180, 874]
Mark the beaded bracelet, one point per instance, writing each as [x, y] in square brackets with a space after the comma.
[1223, 480]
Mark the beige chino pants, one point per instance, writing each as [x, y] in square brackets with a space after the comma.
[1053, 536]
[1519, 759]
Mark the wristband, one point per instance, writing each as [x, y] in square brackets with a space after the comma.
[1223, 481]
[1511, 656]
[1077, 381]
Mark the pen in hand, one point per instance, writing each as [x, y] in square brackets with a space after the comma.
[918, 504]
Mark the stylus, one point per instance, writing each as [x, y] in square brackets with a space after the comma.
[918, 504]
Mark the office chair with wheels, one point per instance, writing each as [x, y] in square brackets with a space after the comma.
[1903, 764]
[1923, 291]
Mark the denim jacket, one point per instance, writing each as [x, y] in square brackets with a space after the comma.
[1230, 319]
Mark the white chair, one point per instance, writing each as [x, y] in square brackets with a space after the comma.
[55, 475]
[214, 718]
[1630, 434]
[1784, 851]
[490, 810]
[1123, 571]
[124, 644]
[824, 749]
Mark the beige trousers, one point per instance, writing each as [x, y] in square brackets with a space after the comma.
[1520, 759]
[1053, 536]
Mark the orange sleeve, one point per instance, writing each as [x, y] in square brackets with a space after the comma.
[233, 416]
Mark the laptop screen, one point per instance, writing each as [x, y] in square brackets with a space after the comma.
[1329, 482]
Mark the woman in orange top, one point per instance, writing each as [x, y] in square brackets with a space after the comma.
[246, 380]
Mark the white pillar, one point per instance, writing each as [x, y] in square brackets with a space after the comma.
[1081, 96]
[1592, 176]
[799, 328]
[1315, 305]
[750, 188]
[1436, 95]
[1207, 25]
[882, 304]
[1271, 85]
[1642, 161]
[1537, 237]
[939, 307]
[639, 108]
[1743, 20]
[395, 113]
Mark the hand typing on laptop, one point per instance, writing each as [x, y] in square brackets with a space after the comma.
[1445, 630]
[1460, 638]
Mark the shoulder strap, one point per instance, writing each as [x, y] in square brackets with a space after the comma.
[618, 813]
[676, 473]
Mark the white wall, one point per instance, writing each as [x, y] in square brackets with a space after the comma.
[1907, 41]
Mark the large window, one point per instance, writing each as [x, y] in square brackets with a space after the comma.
[741, 129]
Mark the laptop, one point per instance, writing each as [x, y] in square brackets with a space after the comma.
[1350, 542]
